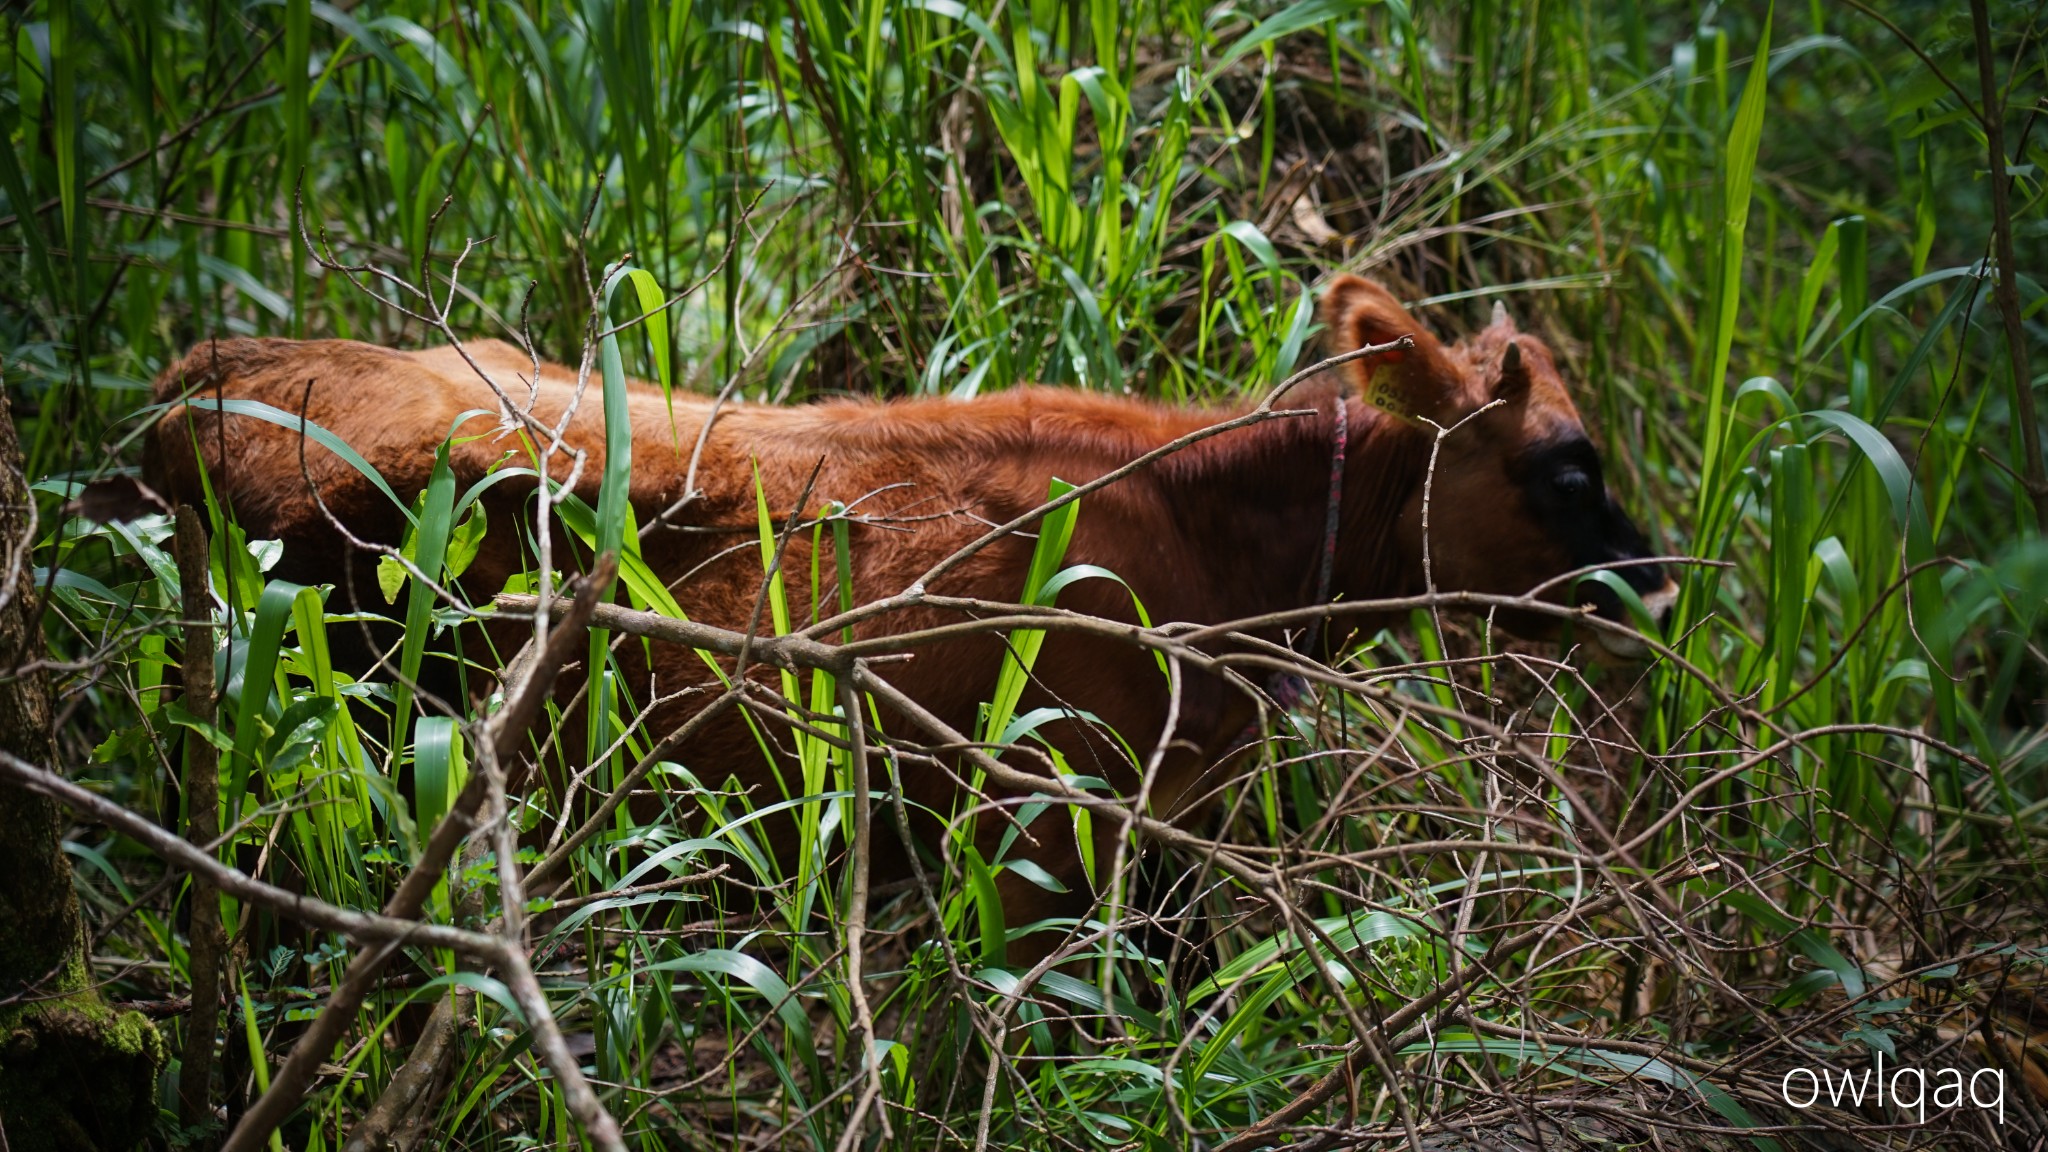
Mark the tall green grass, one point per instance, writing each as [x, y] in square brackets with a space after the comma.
[1757, 237]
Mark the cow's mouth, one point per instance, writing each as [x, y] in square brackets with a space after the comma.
[1631, 645]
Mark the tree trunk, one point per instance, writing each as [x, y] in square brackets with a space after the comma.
[74, 1074]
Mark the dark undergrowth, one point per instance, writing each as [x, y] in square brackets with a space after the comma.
[1535, 896]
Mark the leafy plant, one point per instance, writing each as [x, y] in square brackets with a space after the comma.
[1760, 237]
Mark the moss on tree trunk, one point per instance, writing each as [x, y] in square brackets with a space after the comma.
[74, 1073]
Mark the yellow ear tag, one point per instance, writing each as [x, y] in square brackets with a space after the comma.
[1381, 394]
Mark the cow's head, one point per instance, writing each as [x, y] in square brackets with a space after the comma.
[1517, 497]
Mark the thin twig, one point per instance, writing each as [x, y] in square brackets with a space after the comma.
[202, 820]
[2007, 292]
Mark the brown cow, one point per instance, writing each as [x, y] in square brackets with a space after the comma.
[1231, 527]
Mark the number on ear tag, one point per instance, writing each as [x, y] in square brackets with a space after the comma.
[1381, 391]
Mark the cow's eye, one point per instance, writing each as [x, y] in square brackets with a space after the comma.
[1572, 482]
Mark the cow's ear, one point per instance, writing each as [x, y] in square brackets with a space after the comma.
[1414, 383]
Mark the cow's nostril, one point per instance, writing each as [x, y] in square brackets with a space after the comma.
[1630, 646]
[1661, 601]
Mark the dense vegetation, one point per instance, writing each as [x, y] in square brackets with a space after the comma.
[1766, 243]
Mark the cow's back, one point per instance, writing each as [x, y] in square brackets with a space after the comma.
[922, 477]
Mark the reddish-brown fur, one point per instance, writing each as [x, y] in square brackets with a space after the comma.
[1231, 527]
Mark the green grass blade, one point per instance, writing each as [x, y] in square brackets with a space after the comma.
[1724, 302]
[429, 549]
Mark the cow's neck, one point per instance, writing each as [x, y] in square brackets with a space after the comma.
[1389, 462]
[1254, 507]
